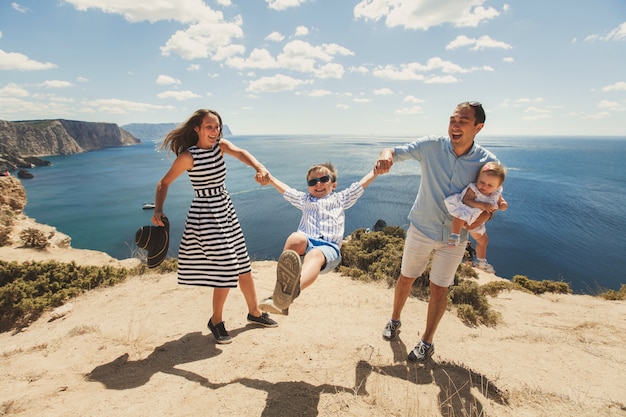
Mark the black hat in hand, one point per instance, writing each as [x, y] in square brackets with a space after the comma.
[156, 240]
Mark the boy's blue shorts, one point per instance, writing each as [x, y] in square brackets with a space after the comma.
[330, 250]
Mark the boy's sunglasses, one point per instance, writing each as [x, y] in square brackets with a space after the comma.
[314, 181]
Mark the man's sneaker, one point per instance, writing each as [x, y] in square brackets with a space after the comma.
[391, 329]
[287, 279]
[485, 266]
[421, 352]
[269, 306]
[220, 333]
[264, 320]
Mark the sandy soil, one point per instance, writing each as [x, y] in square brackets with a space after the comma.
[142, 348]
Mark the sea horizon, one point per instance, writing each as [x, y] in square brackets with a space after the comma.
[561, 214]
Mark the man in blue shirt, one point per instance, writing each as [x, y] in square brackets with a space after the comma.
[447, 164]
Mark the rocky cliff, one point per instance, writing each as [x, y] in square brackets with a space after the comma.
[23, 141]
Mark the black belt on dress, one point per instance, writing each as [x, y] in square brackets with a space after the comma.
[206, 192]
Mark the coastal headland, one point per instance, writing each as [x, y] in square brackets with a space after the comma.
[141, 348]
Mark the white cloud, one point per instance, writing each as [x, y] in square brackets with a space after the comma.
[619, 86]
[202, 39]
[477, 44]
[275, 36]
[283, 4]
[383, 92]
[342, 106]
[301, 31]
[19, 8]
[20, 62]
[611, 105]
[318, 93]
[415, 71]
[56, 84]
[409, 110]
[178, 95]
[258, 58]
[330, 70]
[224, 3]
[617, 34]
[519, 102]
[13, 90]
[362, 100]
[275, 84]
[508, 59]
[206, 33]
[116, 106]
[424, 14]
[441, 79]
[303, 57]
[167, 80]
[597, 116]
[184, 11]
[193, 67]
[360, 69]
[412, 99]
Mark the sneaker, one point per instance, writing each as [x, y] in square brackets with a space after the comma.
[264, 320]
[269, 306]
[421, 353]
[391, 329]
[485, 266]
[220, 333]
[287, 279]
[454, 240]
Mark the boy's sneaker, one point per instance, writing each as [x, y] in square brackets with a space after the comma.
[391, 329]
[264, 320]
[220, 333]
[421, 352]
[269, 306]
[485, 266]
[287, 279]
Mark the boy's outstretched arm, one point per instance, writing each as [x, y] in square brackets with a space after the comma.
[280, 186]
[368, 178]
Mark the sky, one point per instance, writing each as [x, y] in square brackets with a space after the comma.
[297, 67]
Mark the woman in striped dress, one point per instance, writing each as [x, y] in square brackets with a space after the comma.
[212, 251]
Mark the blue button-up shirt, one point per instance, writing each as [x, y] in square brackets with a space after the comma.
[443, 174]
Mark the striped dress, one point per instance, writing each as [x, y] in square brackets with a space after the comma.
[212, 250]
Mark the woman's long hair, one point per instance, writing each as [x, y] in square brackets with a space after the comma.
[185, 135]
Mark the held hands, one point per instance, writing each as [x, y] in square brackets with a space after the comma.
[262, 177]
[384, 163]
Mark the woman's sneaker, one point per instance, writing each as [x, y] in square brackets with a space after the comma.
[422, 352]
[391, 329]
[220, 333]
[264, 320]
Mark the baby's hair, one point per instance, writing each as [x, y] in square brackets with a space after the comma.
[185, 135]
[326, 166]
[494, 169]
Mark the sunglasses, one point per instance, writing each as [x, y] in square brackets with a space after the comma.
[314, 181]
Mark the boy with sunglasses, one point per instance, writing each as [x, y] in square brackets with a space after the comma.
[314, 248]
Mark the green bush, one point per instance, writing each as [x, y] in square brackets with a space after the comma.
[28, 289]
[472, 304]
[540, 287]
[614, 295]
[34, 238]
[377, 256]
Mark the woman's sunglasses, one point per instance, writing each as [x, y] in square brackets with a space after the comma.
[314, 181]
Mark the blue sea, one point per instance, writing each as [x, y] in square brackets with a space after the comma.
[566, 219]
